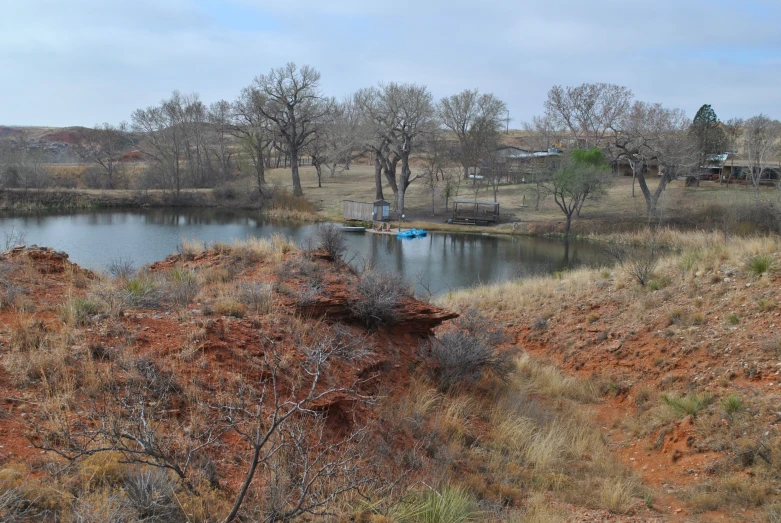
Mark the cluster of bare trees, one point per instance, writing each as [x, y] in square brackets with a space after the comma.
[283, 119]
[22, 165]
[284, 114]
[637, 133]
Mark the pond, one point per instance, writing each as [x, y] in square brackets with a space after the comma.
[436, 264]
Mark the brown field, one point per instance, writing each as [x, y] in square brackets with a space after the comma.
[691, 207]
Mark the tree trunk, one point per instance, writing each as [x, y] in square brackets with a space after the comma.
[466, 172]
[297, 190]
[318, 169]
[260, 165]
[390, 174]
[568, 225]
[378, 178]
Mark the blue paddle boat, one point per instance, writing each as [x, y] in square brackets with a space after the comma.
[412, 233]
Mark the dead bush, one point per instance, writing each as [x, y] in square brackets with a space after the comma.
[639, 262]
[465, 352]
[331, 239]
[183, 286]
[121, 268]
[151, 495]
[377, 297]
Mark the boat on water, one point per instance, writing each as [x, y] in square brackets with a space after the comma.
[347, 228]
[412, 233]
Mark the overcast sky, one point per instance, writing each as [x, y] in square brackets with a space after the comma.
[81, 62]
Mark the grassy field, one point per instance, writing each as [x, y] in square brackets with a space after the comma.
[618, 211]
[703, 207]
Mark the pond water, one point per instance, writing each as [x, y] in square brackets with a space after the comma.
[436, 264]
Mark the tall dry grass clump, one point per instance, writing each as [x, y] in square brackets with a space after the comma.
[257, 249]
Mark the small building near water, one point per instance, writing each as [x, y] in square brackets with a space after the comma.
[378, 211]
[475, 213]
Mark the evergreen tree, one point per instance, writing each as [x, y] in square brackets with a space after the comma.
[707, 133]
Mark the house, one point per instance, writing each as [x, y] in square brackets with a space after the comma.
[733, 166]
[622, 167]
[519, 164]
[378, 211]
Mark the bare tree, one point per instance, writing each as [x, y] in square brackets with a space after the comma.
[162, 138]
[631, 140]
[451, 184]
[476, 120]
[674, 148]
[436, 160]
[104, 146]
[374, 123]
[337, 142]
[295, 108]
[252, 129]
[193, 114]
[409, 117]
[761, 138]
[733, 132]
[590, 112]
[220, 117]
[652, 131]
[271, 424]
[22, 164]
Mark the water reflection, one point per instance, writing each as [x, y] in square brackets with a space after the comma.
[440, 262]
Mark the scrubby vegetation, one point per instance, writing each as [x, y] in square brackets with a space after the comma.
[148, 387]
[694, 350]
[145, 388]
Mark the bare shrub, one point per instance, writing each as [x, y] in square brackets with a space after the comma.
[151, 495]
[100, 507]
[639, 261]
[465, 352]
[121, 268]
[377, 298]
[12, 238]
[331, 239]
[307, 294]
[14, 507]
[182, 287]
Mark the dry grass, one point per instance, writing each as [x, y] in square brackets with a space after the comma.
[532, 377]
[254, 250]
[619, 495]
[618, 210]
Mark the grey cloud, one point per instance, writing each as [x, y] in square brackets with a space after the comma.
[87, 61]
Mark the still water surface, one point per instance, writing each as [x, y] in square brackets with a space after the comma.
[436, 264]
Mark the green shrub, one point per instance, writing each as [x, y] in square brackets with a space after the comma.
[452, 505]
[760, 264]
[731, 404]
[690, 404]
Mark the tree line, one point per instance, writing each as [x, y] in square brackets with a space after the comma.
[283, 117]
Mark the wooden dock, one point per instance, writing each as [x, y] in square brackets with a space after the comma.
[393, 232]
